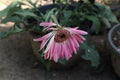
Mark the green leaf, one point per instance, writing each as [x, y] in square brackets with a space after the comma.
[96, 22]
[25, 13]
[11, 19]
[62, 61]
[106, 13]
[92, 1]
[54, 19]
[67, 14]
[48, 15]
[17, 29]
[106, 22]
[45, 62]
[110, 16]
[10, 31]
[90, 54]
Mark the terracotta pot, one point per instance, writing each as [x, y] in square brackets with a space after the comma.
[116, 54]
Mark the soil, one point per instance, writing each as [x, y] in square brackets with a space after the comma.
[116, 39]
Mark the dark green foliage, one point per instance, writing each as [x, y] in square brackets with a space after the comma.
[90, 54]
[11, 31]
[30, 17]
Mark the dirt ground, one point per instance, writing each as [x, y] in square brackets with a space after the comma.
[17, 62]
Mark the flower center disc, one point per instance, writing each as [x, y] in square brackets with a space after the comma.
[62, 35]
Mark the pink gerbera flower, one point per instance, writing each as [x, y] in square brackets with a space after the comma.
[61, 42]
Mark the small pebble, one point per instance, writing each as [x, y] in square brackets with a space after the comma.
[118, 50]
[114, 38]
[118, 32]
[54, 74]
[119, 47]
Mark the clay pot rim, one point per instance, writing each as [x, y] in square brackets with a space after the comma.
[110, 33]
[51, 6]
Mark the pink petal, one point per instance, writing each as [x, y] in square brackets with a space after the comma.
[62, 51]
[47, 24]
[80, 32]
[56, 55]
[69, 46]
[42, 45]
[42, 38]
[67, 52]
[49, 44]
[73, 46]
[75, 42]
[79, 38]
[44, 42]
[76, 31]
[46, 55]
[51, 51]
[47, 29]
[59, 50]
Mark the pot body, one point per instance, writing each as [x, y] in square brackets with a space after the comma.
[116, 63]
[116, 53]
[44, 8]
[110, 35]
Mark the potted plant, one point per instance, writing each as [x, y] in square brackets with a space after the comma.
[57, 18]
[114, 42]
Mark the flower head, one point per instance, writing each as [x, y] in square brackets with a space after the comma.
[61, 42]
